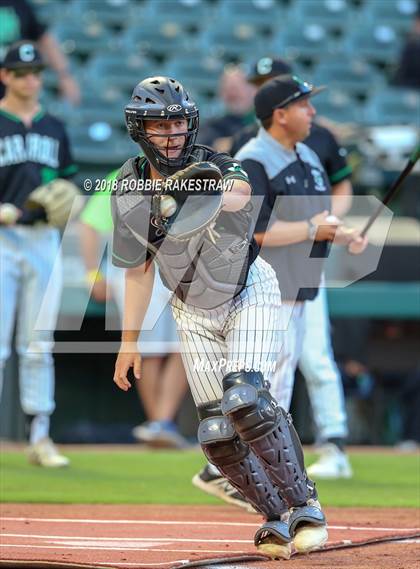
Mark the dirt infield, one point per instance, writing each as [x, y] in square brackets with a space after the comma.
[154, 537]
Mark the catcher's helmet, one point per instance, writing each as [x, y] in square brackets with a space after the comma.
[161, 98]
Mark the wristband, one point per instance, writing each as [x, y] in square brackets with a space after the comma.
[312, 229]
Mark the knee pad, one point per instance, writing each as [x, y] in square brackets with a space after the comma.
[217, 436]
[237, 463]
[249, 403]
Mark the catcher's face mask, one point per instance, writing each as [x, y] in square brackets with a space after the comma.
[167, 136]
[163, 120]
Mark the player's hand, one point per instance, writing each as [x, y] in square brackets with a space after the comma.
[358, 244]
[327, 226]
[345, 235]
[125, 361]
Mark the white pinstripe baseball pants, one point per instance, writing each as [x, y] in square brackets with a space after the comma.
[241, 334]
[28, 257]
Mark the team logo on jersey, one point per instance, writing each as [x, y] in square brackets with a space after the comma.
[174, 108]
[26, 52]
[318, 180]
[34, 147]
[290, 180]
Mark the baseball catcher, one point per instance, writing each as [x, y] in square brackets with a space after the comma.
[226, 306]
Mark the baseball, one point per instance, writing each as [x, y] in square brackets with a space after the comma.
[8, 213]
[168, 206]
[332, 219]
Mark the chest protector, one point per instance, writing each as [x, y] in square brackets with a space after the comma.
[207, 270]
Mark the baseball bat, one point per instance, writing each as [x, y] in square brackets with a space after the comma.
[393, 189]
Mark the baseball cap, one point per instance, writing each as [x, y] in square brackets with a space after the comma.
[280, 92]
[268, 67]
[23, 54]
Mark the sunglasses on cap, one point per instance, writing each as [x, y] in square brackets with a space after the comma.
[27, 71]
[304, 88]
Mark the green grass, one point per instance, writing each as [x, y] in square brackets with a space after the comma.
[118, 477]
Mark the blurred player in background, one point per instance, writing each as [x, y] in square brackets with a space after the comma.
[164, 383]
[278, 164]
[18, 21]
[284, 172]
[34, 151]
[317, 361]
[237, 95]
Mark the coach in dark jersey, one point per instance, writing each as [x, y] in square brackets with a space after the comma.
[34, 150]
[317, 362]
[295, 224]
[320, 139]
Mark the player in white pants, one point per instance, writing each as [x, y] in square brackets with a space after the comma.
[307, 344]
[226, 304]
[324, 384]
[35, 150]
[294, 225]
[27, 258]
[330, 423]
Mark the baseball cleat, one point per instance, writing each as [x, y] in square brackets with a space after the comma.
[310, 538]
[161, 434]
[275, 550]
[273, 539]
[308, 527]
[218, 486]
[333, 463]
[45, 453]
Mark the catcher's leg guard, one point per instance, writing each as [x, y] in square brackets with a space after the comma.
[268, 430]
[237, 463]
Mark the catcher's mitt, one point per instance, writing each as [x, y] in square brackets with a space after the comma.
[190, 201]
[56, 198]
